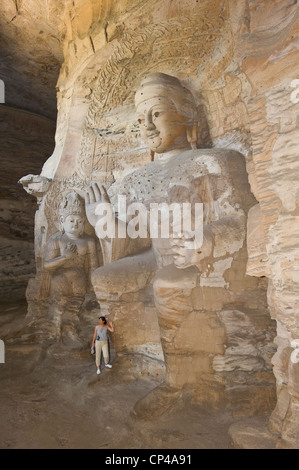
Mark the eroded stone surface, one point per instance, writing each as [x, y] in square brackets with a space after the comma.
[241, 72]
[31, 54]
[252, 434]
[25, 137]
[155, 288]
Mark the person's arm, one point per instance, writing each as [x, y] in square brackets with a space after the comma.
[94, 337]
[110, 327]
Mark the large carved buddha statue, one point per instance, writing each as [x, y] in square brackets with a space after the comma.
[184, 278]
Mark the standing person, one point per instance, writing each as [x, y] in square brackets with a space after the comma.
[100, 342]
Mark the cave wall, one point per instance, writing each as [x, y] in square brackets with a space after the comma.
[268, 52]
[240, 59]
[27, 140]
[31, 57]
[31, 54]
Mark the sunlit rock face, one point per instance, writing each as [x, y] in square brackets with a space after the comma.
[242, 72]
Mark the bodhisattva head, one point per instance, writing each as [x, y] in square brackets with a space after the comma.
[72, 215]
[166, 113]
[73, 225]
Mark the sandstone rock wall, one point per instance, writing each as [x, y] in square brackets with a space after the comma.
[240, 59]
[268, 54]
[31, 54]
[108, 47]
[26, 140]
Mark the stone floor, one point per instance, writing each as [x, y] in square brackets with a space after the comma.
[54, 399]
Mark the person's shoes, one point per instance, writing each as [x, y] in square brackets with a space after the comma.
[109, 366]
[98, 371]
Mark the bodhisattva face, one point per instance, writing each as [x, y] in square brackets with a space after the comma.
[73, 225]
[162, 128]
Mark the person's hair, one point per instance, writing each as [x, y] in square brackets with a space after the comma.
[104, 320]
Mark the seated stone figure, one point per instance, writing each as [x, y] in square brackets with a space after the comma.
[191, 286]
[70, 257]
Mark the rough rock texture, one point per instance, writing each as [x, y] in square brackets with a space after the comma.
[241, 69]
[268, 53]
[244, 434]
[244, 70]
[31, 54]
[25, 137]
[52, 400]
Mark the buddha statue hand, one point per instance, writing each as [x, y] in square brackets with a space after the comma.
[95, 195]
[69, 250]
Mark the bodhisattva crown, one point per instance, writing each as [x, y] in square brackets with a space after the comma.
[72, 204]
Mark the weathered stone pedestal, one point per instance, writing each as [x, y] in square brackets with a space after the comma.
[252, 434]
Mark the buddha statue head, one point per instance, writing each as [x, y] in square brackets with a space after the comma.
[166, 113]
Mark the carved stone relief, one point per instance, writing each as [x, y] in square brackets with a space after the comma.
[216, 178]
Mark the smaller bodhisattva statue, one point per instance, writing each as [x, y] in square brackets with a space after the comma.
[71, 256]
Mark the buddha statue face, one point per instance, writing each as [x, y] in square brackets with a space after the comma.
[166, 112]
[73, 225]
[161, 127]
[72, 216]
